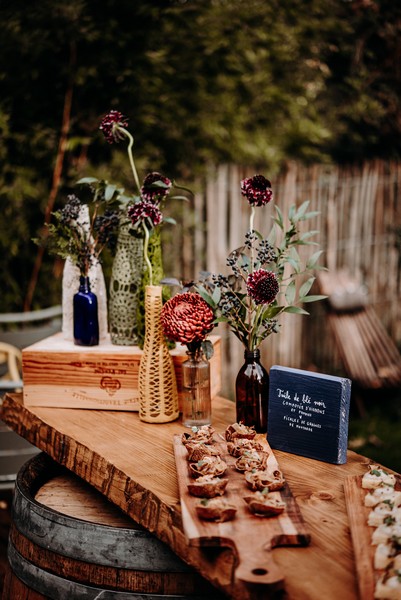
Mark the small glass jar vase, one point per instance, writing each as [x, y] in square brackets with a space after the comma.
[196, 399]
[85, 315]
[252, 392]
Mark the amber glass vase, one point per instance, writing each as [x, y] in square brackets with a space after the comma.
[252, 392]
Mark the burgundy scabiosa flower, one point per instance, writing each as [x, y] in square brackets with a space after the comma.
[257, 190]
[262, 286]
[142, 211]
[155, 187]
[110, 126]
[187, 318]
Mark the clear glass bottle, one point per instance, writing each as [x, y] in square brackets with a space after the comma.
[196, 398]
[252, 392]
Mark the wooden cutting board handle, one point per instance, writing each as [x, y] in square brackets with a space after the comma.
[257, 565]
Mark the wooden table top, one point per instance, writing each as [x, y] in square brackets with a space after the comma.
[132, 463]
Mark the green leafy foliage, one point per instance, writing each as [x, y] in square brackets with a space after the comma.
[80, 235]
[250, 320]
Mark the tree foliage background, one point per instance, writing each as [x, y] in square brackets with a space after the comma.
[244, 81]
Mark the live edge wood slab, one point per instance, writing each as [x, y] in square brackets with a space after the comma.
[132, 463]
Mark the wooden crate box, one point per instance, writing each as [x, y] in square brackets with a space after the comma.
[58, 373]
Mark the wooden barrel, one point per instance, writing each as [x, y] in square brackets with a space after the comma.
[68, 542]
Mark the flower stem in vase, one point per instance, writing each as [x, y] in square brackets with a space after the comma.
[196, 409]
[146, 255]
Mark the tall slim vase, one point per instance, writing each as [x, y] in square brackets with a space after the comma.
[158, 396]
[124, 288]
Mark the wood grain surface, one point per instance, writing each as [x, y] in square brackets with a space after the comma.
[57, 373]
[251, 537]
[132, 464]
[361, 535]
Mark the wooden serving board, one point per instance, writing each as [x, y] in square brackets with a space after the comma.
[361, 535]
[251, 537]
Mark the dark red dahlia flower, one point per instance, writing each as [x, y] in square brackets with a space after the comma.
[187, 318]
[110, 126]
[145, 210]
[262, 286]
[257, 190]
[155, 187]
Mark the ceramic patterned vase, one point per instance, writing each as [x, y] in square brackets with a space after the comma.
[124, 288]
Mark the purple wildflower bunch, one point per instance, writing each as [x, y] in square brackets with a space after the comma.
[81, 234]
[264, 273]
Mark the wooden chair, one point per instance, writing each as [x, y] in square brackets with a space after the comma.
[370, 357]
[25, 328]
[18, 330]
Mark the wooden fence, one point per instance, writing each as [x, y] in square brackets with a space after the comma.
[359, 227]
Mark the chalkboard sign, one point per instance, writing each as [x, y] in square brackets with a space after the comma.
[308, 414]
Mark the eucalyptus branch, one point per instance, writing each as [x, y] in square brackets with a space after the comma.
[259, 266]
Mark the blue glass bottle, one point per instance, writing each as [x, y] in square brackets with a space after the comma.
[86, 323]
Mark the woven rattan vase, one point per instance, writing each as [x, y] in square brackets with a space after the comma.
[158, 396]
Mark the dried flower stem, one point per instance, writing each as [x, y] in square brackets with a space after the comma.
[131, 156]
[145, 253]
[251, 327]
[251, 218]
